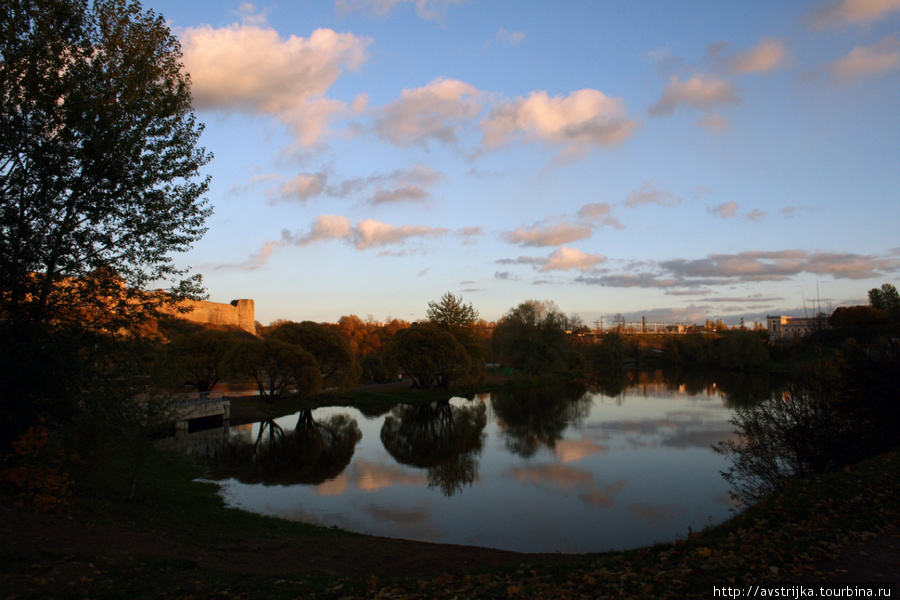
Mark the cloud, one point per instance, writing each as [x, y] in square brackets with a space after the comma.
[583, 120]
[437, 111]
[425, 9]
[548, 235]
[851, 12]
[304, 186]
[625, 280]
[726, 210]
[598, 212]
[467, 235]
[648, 194]
[703, 92]
[769, 54]
[566, 259]
[251, 68]
[868, 61]
[779, 265]
[252, 263]
[325, 227]
[365, 234]
[512, 38]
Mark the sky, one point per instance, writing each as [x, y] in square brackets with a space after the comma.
[678, 161]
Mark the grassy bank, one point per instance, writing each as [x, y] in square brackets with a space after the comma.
[177, 540]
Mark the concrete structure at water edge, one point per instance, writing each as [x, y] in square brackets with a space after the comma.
[784, 328]
[239, 313]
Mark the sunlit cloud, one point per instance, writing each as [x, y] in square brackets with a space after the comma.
[438, 112]
[253, 262]
[701, 92]
[649, 194]
[598, 212]
[303, 187]
[629, 280]
[468, 235]
[566, 259]
[839, 13]
[368, 233]
[251, 68]
[779, 265]
[548, 234]
[584, 120]
[769, 54]
[726, 210]
[868, 61]
[425, 9]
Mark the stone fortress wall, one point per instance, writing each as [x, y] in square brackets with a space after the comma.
[239, 313]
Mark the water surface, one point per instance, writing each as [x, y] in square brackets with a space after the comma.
[553, 470]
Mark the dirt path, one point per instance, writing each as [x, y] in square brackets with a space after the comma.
[31, 537]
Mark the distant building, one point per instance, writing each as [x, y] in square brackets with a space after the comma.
[781, 327]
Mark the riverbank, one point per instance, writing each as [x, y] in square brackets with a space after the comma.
[177, 540]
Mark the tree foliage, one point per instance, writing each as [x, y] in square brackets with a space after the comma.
[99, 160]
[197, 358]
[885, 298]
[532, 337]
[330, 348]
[452, 314]
[276, 367]
[99, 181]
[427, 354]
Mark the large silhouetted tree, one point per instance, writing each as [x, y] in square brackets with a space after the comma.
[532, 338]
[99, 176]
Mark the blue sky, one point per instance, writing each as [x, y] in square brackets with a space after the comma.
[674, 160]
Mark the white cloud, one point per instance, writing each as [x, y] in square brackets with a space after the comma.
[851, 12]
[566, 259]
[703, 92]
[867, 61]
[769, 54]
[251, 68]
[437, 111]
[583, 120]
[548, 235]
[648, 194]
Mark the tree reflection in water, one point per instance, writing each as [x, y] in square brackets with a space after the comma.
[444, 439]
[312, 453]
[535, 418]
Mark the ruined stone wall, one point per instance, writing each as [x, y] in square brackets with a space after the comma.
[240, 313]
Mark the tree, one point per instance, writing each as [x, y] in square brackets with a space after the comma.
[277, 368]
[461, 320]
[329, 347]
[197, 358]
[532, 337]
[99, 173]
[428, 354]
[887, 299]
[452, 314]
